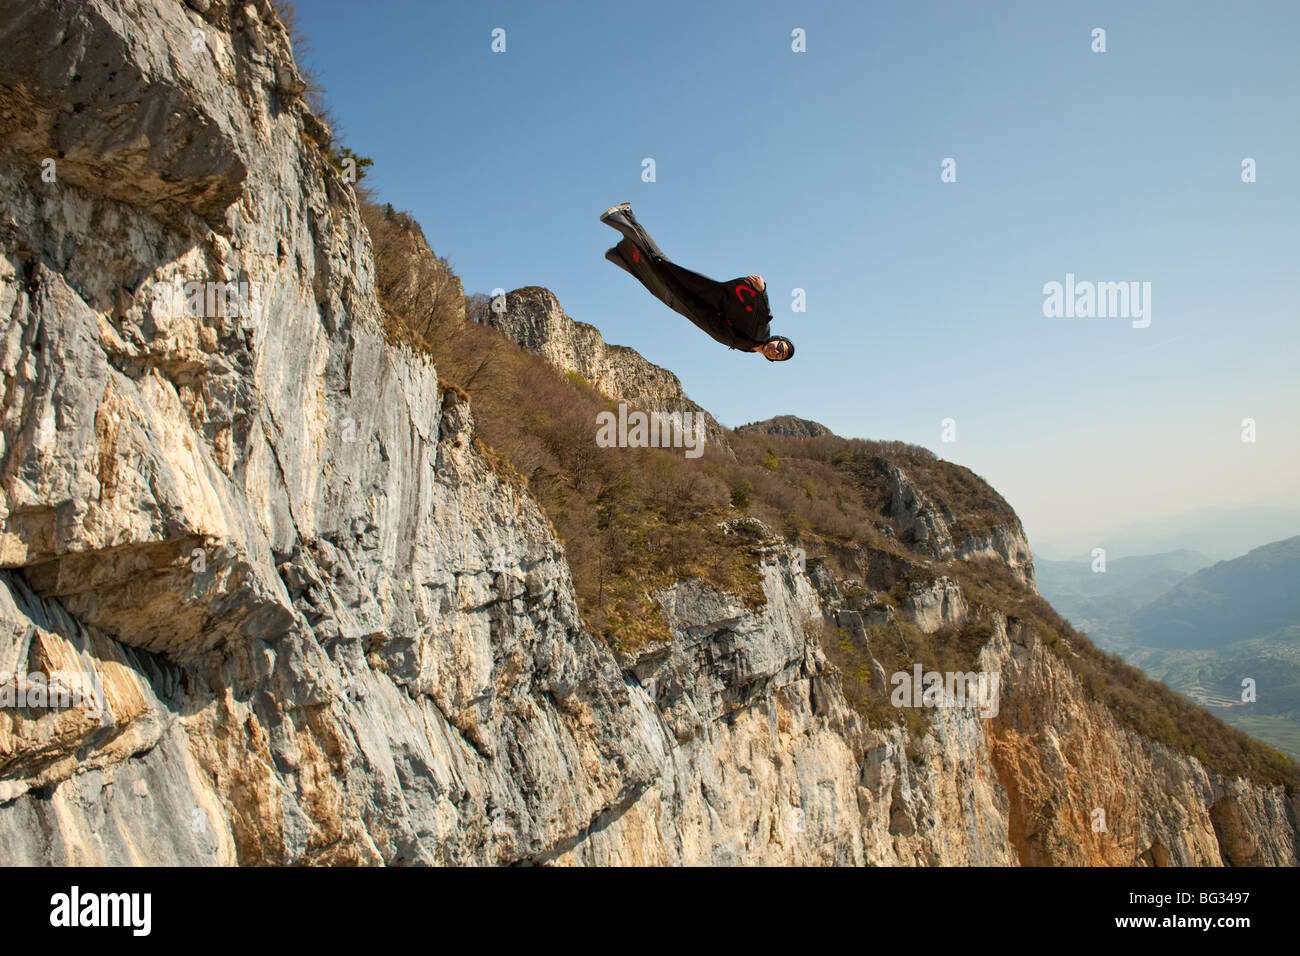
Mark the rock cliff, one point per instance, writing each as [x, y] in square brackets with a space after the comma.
[262, 541]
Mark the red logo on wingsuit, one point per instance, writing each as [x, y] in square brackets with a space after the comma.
[740, 290]
[636, 255]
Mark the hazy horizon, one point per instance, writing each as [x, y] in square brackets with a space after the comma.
[821, 170]
[1218, 534]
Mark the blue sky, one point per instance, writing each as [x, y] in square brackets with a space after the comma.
[821, 171]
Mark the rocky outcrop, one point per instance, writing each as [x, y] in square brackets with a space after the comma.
[171, 144]
[787, 426]
[929, 526]
[935, 605]
[765, 763]
[306, 620]
[533, 318]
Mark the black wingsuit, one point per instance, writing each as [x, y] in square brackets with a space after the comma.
[733, 313]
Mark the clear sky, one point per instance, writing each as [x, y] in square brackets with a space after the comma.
[821, 170]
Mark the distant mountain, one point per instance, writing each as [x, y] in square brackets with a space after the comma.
[1219, 533]
[1098, 602]
[1198, 627]
[1254, 596]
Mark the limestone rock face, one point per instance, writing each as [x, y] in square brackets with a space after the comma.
[931, 525]
[937, 604]
[184, 139]
[533, 318]
[305, 620]
[1063, 756]
[272, 528]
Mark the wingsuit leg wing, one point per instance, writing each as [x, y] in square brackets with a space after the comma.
[628, 256]
[613, 256]
[641, 256]
[621, 218]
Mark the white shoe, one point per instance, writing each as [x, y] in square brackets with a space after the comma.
[621, 207]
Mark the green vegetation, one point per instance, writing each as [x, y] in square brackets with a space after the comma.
[1281, 731]
[1274, 665]
[897, 646]
[1200, 627]
[1253, 596]
[349, 163]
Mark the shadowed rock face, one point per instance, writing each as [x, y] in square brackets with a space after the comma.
[270, 548]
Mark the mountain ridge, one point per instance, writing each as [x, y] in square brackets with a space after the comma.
[533, 318]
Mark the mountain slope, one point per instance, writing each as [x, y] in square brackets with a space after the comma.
[1248, 597]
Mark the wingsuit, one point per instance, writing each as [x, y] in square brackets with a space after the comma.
[733, 312]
